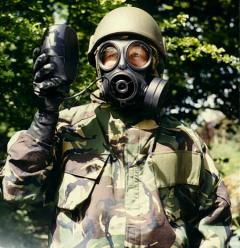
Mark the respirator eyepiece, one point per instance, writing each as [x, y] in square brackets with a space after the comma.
[108, 56]
[137, 55]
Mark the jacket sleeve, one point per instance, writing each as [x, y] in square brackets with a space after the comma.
[214, 206]
[26, 170]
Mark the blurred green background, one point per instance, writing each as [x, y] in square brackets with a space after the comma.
[202, 39]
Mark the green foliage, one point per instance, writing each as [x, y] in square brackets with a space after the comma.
[202, 44]
[225, 148]
[193, 49]
[227, 156]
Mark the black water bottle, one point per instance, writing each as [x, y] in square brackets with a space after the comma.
[60, 43]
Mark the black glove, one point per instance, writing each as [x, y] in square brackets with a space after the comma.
[50, 91]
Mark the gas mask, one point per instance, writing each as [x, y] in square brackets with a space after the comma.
[127, 68]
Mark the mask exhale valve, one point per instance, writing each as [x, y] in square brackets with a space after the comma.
[122, 86]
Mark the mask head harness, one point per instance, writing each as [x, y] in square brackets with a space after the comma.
[130, 74]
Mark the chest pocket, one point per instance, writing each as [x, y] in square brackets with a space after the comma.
[80, 175]
[172, 168]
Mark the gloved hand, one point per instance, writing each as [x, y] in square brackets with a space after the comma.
[49, 88]
[50, 91]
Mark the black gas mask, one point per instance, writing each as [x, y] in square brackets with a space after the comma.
[127, 68]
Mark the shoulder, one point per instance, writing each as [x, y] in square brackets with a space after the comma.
[76, 114]
[185, 137]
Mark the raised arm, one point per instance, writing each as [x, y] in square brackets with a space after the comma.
[30, 152]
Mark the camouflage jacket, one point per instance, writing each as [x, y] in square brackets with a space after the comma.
[123, 181]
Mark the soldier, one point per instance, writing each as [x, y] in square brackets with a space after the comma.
[129, 175]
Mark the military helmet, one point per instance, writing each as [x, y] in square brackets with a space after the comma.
[126, 21]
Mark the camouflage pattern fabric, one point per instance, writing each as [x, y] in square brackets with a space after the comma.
[123, 181]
